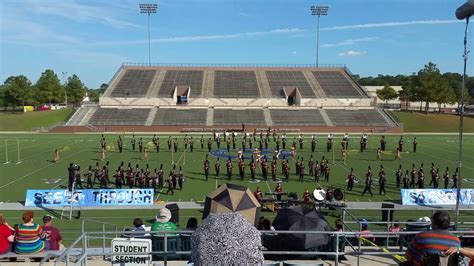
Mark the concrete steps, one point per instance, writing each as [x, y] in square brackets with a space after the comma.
[151, 117]
[88, 115]
[156, 84]
[210, 117]
[263, 85]
[314, 84]
[326, 118]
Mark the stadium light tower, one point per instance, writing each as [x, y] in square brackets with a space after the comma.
[318, 11]
[463, 12]
[148, 9]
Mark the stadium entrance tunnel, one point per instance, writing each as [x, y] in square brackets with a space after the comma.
[248, 154]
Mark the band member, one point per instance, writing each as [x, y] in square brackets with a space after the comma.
[412, 176]
[414, 144]
[436, 179]
[278, 143]
[88, 176]
[274, 169]
[306, 197]
[191, 144]
[118, 179]
[209, 145]
[345, 140]
[56, 155]
[317, 171]
[133, 141]
[400, 144]
[186, 141]
[130, 176]
[365, 140]
[161, 174]
[217, 167]
[383, 143]
[78, 178]
[344, 156]
[206, 168]
[103, 177]
[311, 165]
[229, 168]
[382, 182]
[293, 152]
[368, 182]
[175, 145]
[120, 144]
[264, 167]
[241, 165]
[278, 190]
[157, 145]
[180, 178]
[174, 177]
[202, 142]
[329, 143]
[228, 145]
[103, 142]
[252, 167]
[397, 154]
[266, 143]
[327, 171]
[455, 179]
[140, 145]
[102, 154]
[301, 171]
[145, 153]
[421, 179]
[300, 140]
[169, 143]
[406, 180]
[218, 140]
[283, 141]
[350, 180]
[446, 178]
[398, 176]
[170, 184]
[313, 143]
[258, 194]
[96, 172]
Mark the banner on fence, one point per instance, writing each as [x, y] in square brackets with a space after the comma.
[436, 196]
[89, 197]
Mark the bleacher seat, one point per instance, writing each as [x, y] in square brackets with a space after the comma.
[362, 117]
[171, 116]
[134, 83]
[278, 79]
[336, 85]
[116, 116]
[304, 117]
[237, 117]
[236, 84]
[173, 78]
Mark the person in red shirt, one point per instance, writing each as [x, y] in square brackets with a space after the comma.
[6, 235]
[258, 194]
[55, 238]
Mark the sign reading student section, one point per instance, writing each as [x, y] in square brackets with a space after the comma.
[131, 246]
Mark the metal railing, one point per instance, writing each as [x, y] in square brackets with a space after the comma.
[234, 65]
[82, 244]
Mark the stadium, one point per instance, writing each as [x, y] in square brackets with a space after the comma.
[229, 164]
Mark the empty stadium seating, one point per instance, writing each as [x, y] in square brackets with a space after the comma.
[363, 117]
[116, 117]
[237, 117]
[134, 83]
[278, 79]
[336, 85]
[305, 117]
[236, 84]
[171, 116]
[175, 78]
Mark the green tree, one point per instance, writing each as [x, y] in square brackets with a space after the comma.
[49, 87]
[431, 83]
[75, 90]
[387, 93]
[18, 90]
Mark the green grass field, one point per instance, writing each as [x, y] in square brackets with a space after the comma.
[37, 152]
[420, 122]
[29, 121]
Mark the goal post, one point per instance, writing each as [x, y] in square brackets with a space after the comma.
[7, 152]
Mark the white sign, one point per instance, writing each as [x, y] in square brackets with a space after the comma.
[131, 246]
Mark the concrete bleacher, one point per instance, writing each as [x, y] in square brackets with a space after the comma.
[236, 84]
[172, 116]
[361, 117]
[303, 117]
[336, 85]
[117, 116]
[173, 78]
[134, 83]
[279, 79]
[236, 117]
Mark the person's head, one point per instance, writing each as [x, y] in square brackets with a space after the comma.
[164, 215]
[192, 223]
[266, 224]
[47, 220]
[339, 224]
[2, 219]
[441, 220]
[27, 216]
[138, 222]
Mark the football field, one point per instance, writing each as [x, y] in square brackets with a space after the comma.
[38, 171]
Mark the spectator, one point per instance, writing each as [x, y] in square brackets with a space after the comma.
[54, 240]
[339, 225]
[163, 221]
[192, 224]
[466, 252]
[394, 239]
[365, 232]
[432, 242]
[6, 236]
[29, 236]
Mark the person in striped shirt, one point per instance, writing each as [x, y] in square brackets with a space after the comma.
[29, 236]
[432, 242]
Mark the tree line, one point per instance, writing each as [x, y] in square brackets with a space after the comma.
[427, 85]
[19, 90]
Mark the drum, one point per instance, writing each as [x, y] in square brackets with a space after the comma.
[338, 194]
[319, 194]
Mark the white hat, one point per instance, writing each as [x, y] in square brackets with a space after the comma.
[424, 220]
[164, 215]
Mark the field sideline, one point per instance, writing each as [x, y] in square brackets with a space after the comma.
[37, 169]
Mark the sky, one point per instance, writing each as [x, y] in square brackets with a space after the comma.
[92, 38]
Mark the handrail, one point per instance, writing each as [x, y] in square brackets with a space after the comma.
[68, 250]
[233, 65]
[96, 222]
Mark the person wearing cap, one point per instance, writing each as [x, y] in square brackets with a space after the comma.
[162, 222]
[54, 240]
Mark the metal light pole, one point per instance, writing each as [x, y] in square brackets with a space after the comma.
[318, 11]
[65, 90]
[463, 12]
[148, 9]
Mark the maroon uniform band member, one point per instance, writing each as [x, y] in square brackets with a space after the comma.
[258, 194]
[161, 174]
[206, 168]
[217, 167]
[446, 178]
[170, 184]
[400, 144]
[368, 182]
[306, 197]
[350, 180]
[278, 190]
[229, 168]
[252, 167]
